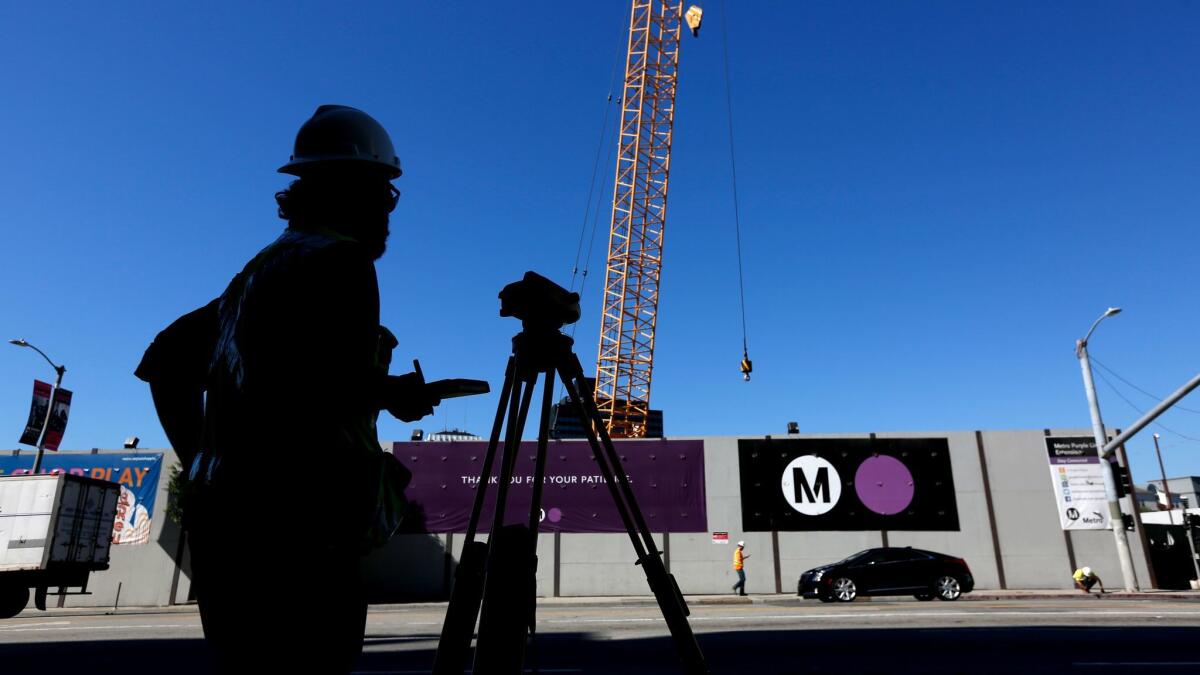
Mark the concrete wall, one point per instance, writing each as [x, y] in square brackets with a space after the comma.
[1020, 545]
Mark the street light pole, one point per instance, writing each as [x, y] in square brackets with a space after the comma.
[1163, 471]
[41, 447]
[1116, 521]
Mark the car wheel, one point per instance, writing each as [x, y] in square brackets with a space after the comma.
[948, 588]
[844, 589]
[12, 600]
[924, 597]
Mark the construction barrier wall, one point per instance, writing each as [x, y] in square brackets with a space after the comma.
[1008, 531]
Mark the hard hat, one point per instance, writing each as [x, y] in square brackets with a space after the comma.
[1087, 571]
[741, 543]
[339, 133]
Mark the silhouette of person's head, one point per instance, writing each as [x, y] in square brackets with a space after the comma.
[345, 163]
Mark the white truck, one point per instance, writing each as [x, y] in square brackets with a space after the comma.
[55, 529]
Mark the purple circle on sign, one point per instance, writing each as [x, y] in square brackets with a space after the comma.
[554, 515]
[884, 485]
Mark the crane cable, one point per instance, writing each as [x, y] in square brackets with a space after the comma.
[587, 211]
[594, 214]
[746, 366]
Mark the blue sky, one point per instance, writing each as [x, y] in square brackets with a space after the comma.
[937, 198]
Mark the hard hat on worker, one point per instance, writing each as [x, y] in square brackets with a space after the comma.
[1087, 571]
[339, 134]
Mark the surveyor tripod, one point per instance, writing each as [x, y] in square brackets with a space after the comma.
[501, 574]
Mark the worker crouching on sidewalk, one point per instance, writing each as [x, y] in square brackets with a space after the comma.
[1085, 578]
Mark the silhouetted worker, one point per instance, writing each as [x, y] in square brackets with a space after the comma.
[287, 483]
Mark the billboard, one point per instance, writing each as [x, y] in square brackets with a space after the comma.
[1078, 477]
[137, 474]
[667, 478]
[798, 484]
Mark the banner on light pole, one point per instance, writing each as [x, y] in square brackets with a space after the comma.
[59, 411]
[1078, 476]
[37, 413]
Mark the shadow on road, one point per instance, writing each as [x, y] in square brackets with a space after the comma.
[1024, 650]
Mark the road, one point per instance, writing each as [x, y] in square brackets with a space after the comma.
[1078, 635]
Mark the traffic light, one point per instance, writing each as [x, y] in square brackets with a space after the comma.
[1123, 480]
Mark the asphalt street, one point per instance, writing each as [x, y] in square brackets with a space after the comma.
[1065, 636]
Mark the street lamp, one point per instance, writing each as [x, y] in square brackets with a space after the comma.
[1116, 520]
[41, 448]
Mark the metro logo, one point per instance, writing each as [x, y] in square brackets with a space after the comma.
[811, 485]
[841, 484]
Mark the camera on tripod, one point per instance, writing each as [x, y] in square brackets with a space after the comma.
[496, 582]
[539, 303]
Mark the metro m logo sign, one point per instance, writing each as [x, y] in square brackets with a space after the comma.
[811, 485]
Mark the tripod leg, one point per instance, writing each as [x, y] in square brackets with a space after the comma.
[512, 445]
[665, 589]
[493, 441]
[509, 587]
[459, 625]
[539, 469]
[535, 501]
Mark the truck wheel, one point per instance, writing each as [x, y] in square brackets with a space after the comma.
[12, 600]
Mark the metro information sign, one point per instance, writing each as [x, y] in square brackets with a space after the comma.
[1078, 476]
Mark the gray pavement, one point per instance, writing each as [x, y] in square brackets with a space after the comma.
[1069, 632]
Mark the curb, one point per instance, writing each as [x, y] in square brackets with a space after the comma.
[1119, 595]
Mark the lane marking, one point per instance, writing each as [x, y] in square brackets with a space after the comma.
[43, 623]
[879, 615]
[95, 628]
[1122, 664]
[428, 672]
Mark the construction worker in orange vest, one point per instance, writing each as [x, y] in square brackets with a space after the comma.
[739, 558]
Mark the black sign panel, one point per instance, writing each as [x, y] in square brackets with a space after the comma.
[847, 484]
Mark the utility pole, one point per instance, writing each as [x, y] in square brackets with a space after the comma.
[1116, 521]
[1166, 489]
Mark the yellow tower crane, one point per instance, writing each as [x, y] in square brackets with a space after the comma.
[639, 213]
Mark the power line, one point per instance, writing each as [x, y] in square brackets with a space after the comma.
[1141, 411]
[1153, 396]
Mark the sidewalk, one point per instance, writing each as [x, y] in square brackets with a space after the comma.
[793, 599]
[783, 599]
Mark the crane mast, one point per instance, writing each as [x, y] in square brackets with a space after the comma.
[635, 243]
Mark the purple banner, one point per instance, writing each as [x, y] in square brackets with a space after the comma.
[667, 479]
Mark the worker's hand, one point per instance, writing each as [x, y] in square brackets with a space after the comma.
[407, 398]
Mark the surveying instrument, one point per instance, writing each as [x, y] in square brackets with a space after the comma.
[496, 581]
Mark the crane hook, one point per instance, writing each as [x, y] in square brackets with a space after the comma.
[747, 366]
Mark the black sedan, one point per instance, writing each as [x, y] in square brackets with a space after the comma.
[889, 571]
